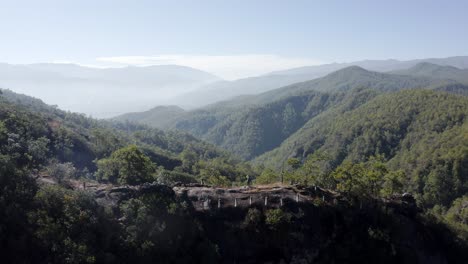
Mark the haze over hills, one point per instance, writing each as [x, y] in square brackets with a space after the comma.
[246, 129]
[436, 72]
[82, 89]
[342, 80]
[379, 65]
[227, 89]
[102, 92]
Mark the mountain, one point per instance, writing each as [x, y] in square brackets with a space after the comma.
[80, 190]
[435, 71]
[82, 89]
[354, 77]
[377, 65]
[253, 130]
[159, 116]
[102, 92]
[244, 125]
[225, 90]
[424, 133]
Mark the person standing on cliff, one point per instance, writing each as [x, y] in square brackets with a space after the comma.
[249, 180]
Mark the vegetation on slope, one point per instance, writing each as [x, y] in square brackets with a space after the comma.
[423, 133]
[53, 224]
[48, 139]
[244, 126]
[364, 143]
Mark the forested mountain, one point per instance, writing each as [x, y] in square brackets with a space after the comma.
[244, 125]
[249, 132]
[424, 133]
[125, 89]
[436, 72]
[225, 90]
[351, 115]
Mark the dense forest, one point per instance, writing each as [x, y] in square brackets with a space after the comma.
[394, 147]
[243, 125]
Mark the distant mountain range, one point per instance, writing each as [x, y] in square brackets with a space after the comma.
[435, 71]
[228, 89]
[113, 91]
[102, 92]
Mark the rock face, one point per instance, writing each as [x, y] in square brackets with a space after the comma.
[205, 198]
[112, 196]
[271, 196]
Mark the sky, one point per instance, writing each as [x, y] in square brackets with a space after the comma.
[232, 39]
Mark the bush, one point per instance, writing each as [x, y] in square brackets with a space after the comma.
[274, 218]
[171, 177]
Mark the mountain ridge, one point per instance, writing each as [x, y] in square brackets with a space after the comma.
[254, 85]
[426, 69]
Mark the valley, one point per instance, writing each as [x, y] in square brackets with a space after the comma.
[317, 171]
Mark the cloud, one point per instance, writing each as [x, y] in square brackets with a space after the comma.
[229, 67]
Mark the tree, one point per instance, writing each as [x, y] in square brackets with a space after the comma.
[189, 158]
[127, 165]
[368, 179]
[458, 212]
[311, 172]
[61, 171]
[294, 163]
[268, 176]
[373, 178]
[393, 183]
[275, 218]
[348, 177]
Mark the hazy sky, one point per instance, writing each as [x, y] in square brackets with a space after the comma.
[229, 38]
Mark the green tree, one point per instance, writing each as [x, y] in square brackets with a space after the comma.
[274, 218]
[458, 212]
[294, 163]
[127, 165]
[348, 178]
[268, 176]
[362, 180]
[311, 171]
[393, 183]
